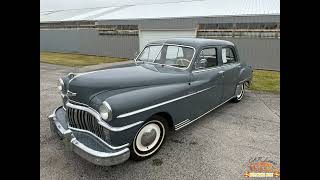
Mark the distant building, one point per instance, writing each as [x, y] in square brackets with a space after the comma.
[122, 31]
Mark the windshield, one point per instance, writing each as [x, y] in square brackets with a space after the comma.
[172, 55]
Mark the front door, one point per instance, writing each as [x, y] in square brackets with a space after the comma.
[206, 83]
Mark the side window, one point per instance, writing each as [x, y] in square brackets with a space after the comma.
[207, 59]
[150, 53]
[174, 52]
[228, 56]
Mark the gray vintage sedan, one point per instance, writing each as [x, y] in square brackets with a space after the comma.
[110, 115]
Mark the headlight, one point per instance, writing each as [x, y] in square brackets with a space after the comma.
[105, 111]
[60, 84]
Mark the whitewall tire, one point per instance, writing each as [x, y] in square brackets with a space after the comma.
[149, 138]
[239, 93]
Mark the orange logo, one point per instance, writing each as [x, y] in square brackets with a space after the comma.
[259, 167]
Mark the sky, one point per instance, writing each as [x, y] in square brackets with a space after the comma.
[50, 5]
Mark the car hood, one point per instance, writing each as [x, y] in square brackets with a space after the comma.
[87, 85]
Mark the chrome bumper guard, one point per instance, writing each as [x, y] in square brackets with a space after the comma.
[84, 144]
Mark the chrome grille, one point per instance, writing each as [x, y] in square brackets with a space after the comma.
[83, 120]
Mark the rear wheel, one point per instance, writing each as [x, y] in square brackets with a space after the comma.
[149, 138]
[239, 93]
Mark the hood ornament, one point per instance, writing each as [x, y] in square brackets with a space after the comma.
[70, 94]
[71, 75]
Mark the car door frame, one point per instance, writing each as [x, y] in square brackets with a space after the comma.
[206, 91]
[230, 74]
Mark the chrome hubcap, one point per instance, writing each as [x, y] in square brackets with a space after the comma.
[148, 137]
[239, 91]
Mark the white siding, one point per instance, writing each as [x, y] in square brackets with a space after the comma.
[147, 36]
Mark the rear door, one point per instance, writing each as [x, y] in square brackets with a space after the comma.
[230, 68]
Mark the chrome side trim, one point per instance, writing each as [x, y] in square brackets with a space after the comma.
[207, 69]
[179, 125]
[160, 104]
[75, 102]
[182, 124]
[94, 152]
[99, 119]
[97, 137]
[212, 68]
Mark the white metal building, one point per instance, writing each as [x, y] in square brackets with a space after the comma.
[253, 25]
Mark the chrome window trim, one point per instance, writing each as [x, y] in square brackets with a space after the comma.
[216, 67]
[207, 69]
[160, 104]
[178, 45]
[97, 137]
[207, 47]
[187, 121]
[233, 49]
[99, 119]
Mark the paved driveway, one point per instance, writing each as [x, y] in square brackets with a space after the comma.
[217, 146]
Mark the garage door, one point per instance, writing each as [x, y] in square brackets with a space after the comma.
[146, 36]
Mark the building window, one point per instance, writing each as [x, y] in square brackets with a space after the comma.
[251, 30]
[118, 30]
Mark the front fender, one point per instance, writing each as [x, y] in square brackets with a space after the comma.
[125, 101]
[128, 100]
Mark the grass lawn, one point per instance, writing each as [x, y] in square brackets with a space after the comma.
[266, 81]
[76, 60]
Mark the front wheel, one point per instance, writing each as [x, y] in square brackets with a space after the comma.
[239, 93]
[149, 138]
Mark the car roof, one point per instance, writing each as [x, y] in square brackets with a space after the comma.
[194, 42]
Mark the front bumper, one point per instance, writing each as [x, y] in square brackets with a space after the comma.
[85, 144]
